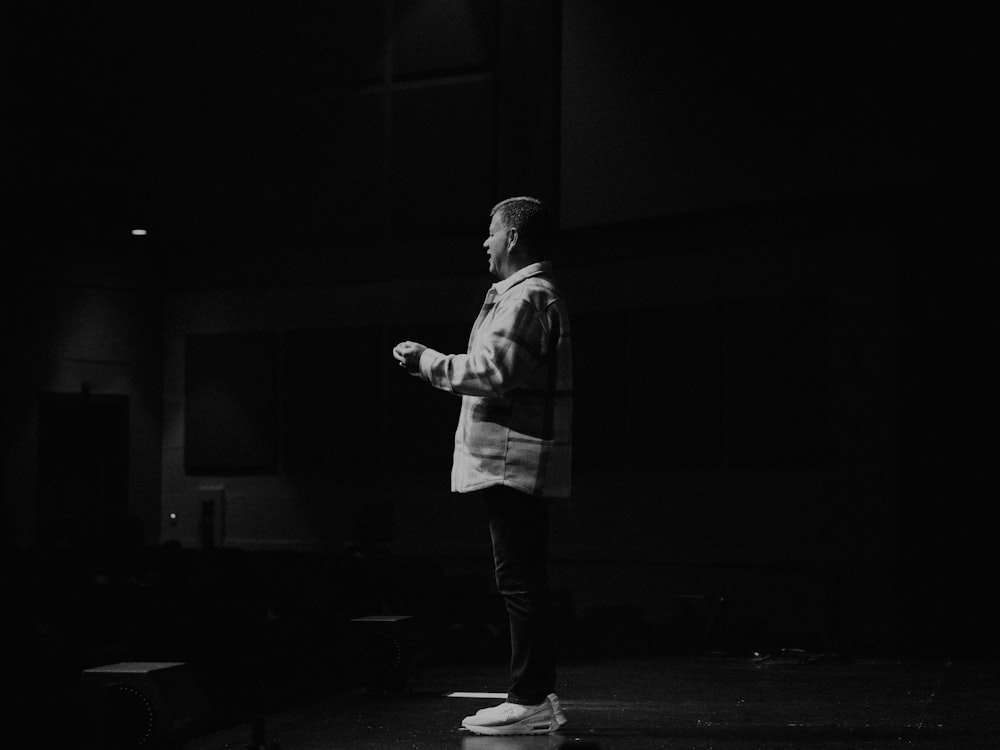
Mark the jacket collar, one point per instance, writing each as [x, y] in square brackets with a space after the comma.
[533, 269]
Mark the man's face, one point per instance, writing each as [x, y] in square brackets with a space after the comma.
[496, 247]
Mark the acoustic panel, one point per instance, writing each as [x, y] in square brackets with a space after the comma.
[444, 35]
[331, 386]
[333, 170]
[231, 403]
[444, 160]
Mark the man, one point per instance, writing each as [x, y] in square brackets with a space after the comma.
[512, 445]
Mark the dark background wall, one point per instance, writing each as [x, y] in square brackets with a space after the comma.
[748, 204]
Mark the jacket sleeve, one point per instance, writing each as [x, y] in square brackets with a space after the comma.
[503, 353]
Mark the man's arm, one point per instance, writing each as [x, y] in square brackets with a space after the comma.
[503, 354]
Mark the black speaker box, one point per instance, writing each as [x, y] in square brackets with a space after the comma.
[386, 648]
[147, 705]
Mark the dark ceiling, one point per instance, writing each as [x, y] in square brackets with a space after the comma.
[199, 124]
[138, 115]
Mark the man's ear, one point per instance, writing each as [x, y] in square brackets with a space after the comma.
[511, 238]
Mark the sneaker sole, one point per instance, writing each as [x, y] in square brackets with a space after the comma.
[543, 726]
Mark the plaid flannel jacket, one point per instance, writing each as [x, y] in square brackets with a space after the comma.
[516, 384]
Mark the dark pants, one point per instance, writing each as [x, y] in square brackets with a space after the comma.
[519, 528]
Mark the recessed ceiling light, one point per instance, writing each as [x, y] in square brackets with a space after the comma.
[138, 232]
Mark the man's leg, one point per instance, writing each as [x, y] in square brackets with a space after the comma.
[519, 528]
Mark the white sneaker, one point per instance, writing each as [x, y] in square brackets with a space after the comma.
[513, 718]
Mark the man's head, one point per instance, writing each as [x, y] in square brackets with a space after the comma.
[521, 230]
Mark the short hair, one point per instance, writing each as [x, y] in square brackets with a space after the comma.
[531, 218]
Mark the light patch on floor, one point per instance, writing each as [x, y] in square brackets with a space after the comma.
[476, 695]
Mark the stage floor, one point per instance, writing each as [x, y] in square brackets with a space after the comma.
[704, 702]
